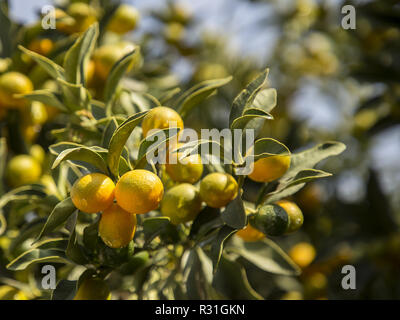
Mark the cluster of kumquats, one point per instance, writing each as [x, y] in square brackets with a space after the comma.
[179, 189]
[141, 191]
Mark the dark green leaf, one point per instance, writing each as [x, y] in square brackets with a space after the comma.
[58, 216]
[234, 214]
[266, 255]
[84, 154]
[218, 244]
[119, 139]
[53, 69]
[65, 290]
[36, 256]
[152, 227]
[78, 55]
[231, 281]
[198, 93]
[116, 74]
[246, 97]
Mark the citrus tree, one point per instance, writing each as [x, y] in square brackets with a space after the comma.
[113, 222]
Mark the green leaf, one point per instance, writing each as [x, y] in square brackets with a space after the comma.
[198, 93]
[206, 221]
[91, 237]
[266, 255]
[152, 227]
[254, 119]
[53, 69]
[119, 139]
[76, 97]
[58, 216]
[36, 256]
[78, 55]
[300, 170]
[109, 130]
[231, 280]
[199, 278]
[65, 290]
[247, 96]
[45, 96]
[3, 223]
[168, 95]
[74, 251]
[218, 244]
[3, 161]
[265, 100]
[234, 214]
[116, 74]
[27, 231]
[54, 244]
[152, 142]
[310, 157]
[85, 154]
[266, 147]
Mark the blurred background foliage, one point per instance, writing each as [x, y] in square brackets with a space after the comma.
[332, 84]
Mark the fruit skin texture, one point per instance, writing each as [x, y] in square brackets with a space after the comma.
[93, 289]
[93, 192]
[107, 55]
[117, 226]
[190, 171]
[139, 191]
[295, 215]
[14, 83]
[302, 254]
[218, 189]
[124, 19]
[270, 168]
[272, 220]
[181, 203]
[23, 169]
[161, 118]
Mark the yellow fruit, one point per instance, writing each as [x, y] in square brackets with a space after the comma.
[188, 169]
[83, 14]
[23, 169]
[310, 197]
[208, 71]
[107, 55]
[124, 19]
[117, 226]
[292, 295]
[37, 113]
[41, 46]
[181, 203]
[174, 32]
[50, 185]
[93, 192]
[89, 72]
[14, 83]
[161, 118]
[270, 168]
[64, 22]
[139, 191]
[250, 234]
[302, 254]
[93, 289]
[37, 152]
[294, 213]
[218, 189]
